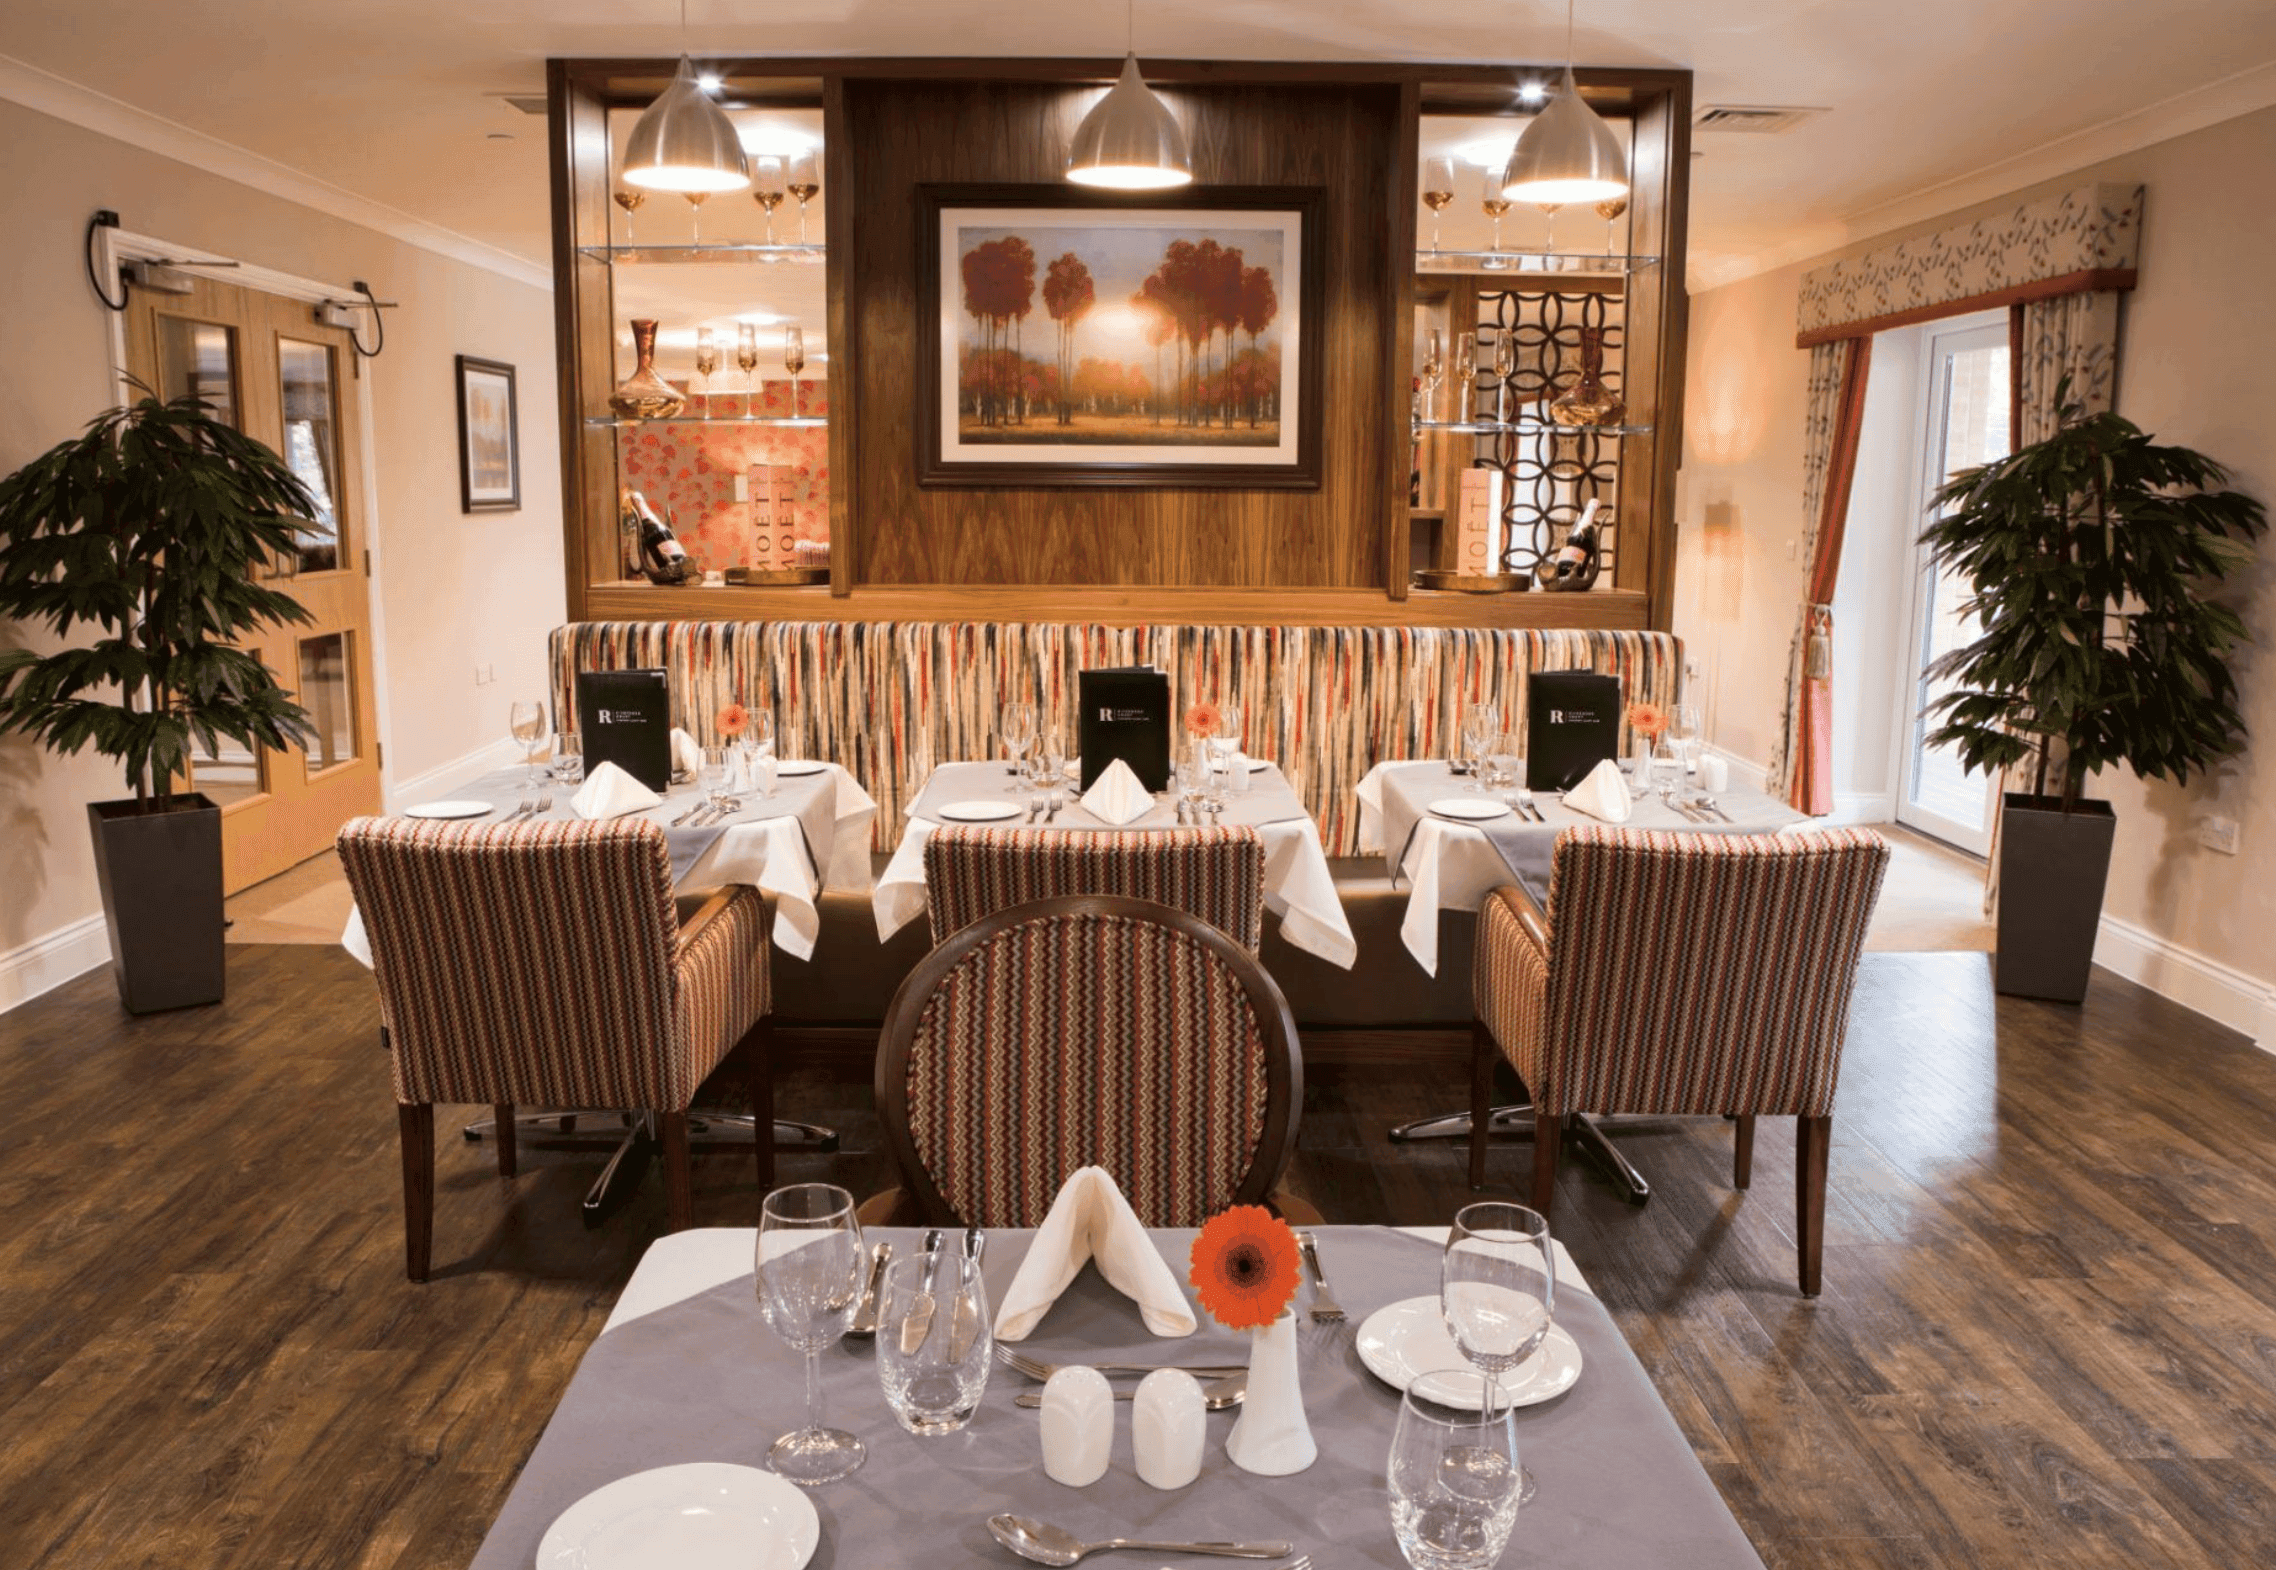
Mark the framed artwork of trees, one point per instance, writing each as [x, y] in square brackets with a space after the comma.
[1159, 340]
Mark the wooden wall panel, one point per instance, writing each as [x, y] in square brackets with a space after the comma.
[898, 135]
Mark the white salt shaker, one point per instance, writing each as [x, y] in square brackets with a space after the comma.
[1714, 774]
[1241, 775]
[1078, 1426]
[1168, 1428]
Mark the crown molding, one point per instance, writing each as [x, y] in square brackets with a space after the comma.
[2241, 93]
[49, 94]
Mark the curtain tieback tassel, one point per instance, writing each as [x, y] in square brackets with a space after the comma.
[1817, 658]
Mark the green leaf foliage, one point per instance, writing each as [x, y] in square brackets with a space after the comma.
[2092, 558]
[155, 527]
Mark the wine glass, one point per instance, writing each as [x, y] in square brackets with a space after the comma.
[695, 201]
[747, 361]
[1497, 1290]
[1433, 372]
[1225, 746]
[756, 745]
[1610, 210]
[804, 181]
[1019, 734]
[767, 188]
[794, 361]
[629, 197]
[706, 362]
[1437, 192]
[1454, 1479]
[1686, 737]
[525, 721]
[1495, 204]
[1481, 727]
[809, 1279]
[1549, 245]
[1505, 371]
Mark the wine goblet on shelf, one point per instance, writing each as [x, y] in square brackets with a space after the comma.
[1549, 242]
[1610, 210]
[695, 201]
[768, 188]
[1495, 205]
[629, 197]
[804, 181]
[1437, 192]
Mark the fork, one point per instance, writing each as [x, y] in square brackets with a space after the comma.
[1035, 809]
[1057, 801]
[1036, 1368]
[1325, 1309]
[685, 817]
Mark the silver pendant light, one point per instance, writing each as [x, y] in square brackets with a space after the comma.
[684, 141]
[1567, 153]
[1129, 141]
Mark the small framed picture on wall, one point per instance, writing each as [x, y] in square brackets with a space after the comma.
[489, 437]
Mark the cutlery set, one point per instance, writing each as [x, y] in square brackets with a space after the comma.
[1191, 811]
[529, 809]
[1046, 807]
[1704, 810]
[1045, 1544]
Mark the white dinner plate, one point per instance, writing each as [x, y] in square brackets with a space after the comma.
[704, 1515]
[1469, 809]
[980, 811]
[791, 768]
[1259, 765]
[448, 809]
[1409, 1338]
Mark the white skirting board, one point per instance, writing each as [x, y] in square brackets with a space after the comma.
[48, 962]
[2221, 993]
[432, 784]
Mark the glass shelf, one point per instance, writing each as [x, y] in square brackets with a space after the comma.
[1528, 427]
[709, 251]
[1530, 264]
[802, 422]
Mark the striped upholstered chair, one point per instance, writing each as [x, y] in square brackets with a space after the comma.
[1079, 1031]
[1675, 974]
[1214, 873]
[544, 964]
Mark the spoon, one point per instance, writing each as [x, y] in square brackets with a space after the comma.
[1051, 1545]
[1216, 1394]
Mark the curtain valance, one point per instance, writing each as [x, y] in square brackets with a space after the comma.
[2085, 238]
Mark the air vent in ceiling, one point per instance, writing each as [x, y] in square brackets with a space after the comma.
[1750, 119]
[527, 103]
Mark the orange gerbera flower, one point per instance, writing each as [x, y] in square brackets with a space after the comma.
[1646, 719]
[733, 720]
[1204, 718]
[1244, 1267]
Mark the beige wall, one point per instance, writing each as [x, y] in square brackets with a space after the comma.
[2197, 366]
[452, 591]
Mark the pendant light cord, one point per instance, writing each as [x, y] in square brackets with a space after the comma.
[1129, 27]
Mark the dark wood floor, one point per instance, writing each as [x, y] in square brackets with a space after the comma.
[2048, 1336]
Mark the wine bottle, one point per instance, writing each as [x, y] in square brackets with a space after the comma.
[664, 559]
[627, 534]
[1574, 565]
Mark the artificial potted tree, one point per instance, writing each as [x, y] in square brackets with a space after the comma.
[2092, 556]
[156, 528]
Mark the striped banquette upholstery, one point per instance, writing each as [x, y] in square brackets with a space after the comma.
[1328, 703]
[1215, 873]
[1088, 1030]
[1680, 974]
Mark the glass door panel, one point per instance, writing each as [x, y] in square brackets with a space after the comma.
[199, 359]
[327, 692]
[311, 445]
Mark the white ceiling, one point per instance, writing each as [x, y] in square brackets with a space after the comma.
[393, 99]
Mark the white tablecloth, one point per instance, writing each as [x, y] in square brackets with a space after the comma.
[1298, 887]
[768, 854]
[1453, 866]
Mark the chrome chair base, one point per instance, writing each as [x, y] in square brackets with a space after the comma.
[638, 1144]
[1517, 1118]
[1588, 1137]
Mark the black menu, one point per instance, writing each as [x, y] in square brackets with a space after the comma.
[1125, 713]
[1572, 723]
[625, 718]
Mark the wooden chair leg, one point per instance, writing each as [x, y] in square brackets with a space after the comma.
[415, 1125]
[1742, 1151]
[1482, 1050]
[1813, 1142]
[502, 1119]
[1548, 1145]
[679, 1196]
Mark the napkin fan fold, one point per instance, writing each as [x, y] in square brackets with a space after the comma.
[1090, 1222]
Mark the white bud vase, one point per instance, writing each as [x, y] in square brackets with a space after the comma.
[1271, 1437]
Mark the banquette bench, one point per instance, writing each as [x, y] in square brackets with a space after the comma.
[1327, 703]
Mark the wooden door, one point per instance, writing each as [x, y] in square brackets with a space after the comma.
[271, 370]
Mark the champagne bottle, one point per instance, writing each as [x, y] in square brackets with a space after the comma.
[628, 534]
[664, 559]
[1574, 565]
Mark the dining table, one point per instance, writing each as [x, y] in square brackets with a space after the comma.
[1299, 887]
[1447, 863]
[685, 1370]
[810, 832]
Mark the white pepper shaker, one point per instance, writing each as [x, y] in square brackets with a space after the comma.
[1169, 1427]
[1078, 1426]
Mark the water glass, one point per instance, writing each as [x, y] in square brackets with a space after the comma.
[717, 769]
[1481, 724]
[1454, 1475]
[809, 1270]
[1504, 769]
[1051, 761]
[568, 758]
[934, 1346]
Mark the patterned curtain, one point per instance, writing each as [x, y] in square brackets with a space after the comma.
[1801, 764]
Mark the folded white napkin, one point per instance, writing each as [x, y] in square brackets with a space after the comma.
[687, 757]
[1090, 1220]
[1603, 794]
[1116, 796]
[609, 792]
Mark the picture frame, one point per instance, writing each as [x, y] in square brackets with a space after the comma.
[1179, 348]
[489, 437]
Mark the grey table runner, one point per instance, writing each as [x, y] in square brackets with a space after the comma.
[704, 1380]
[1269, 799]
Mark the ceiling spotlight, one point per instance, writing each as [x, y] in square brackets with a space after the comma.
[708, 82]
[1531, 92]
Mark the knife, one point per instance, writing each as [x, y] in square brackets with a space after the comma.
[865, 1317]
[919, 1324]
[964, 1322]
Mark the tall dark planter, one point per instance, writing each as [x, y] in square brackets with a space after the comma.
[2052, 866]
[161, 878]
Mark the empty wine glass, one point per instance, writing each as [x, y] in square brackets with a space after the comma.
[1437, 192]
[804, 181]
[809, 1280]
[695, 201]
[629, 197]
[1497, 1290]
[568, 757]
[1549, 245]
[767, 188]
[1686, 738]
[747, 361]
[1481, 725]
[706, 362]
[1495, 204]
[1504, 769]
[794, 360]
[1019, 734]
[1225, 746]
[1610, 210]
[1051, 760]
[1454, 1479]
[525, 721]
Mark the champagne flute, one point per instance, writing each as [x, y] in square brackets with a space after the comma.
[804, 182]
[1433, 372]
[695, 201]
[747, 360]
[767, 188]
[629, 197]
[1610, 210]
[1497, 1290]
[1455, 1483]
[1495, 204]
[706, 362]
[525, 721]
[1505, 371]
[809, 1279]
[1437, 193]
[1549, 245]
[794, 361]
[1019, 732]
